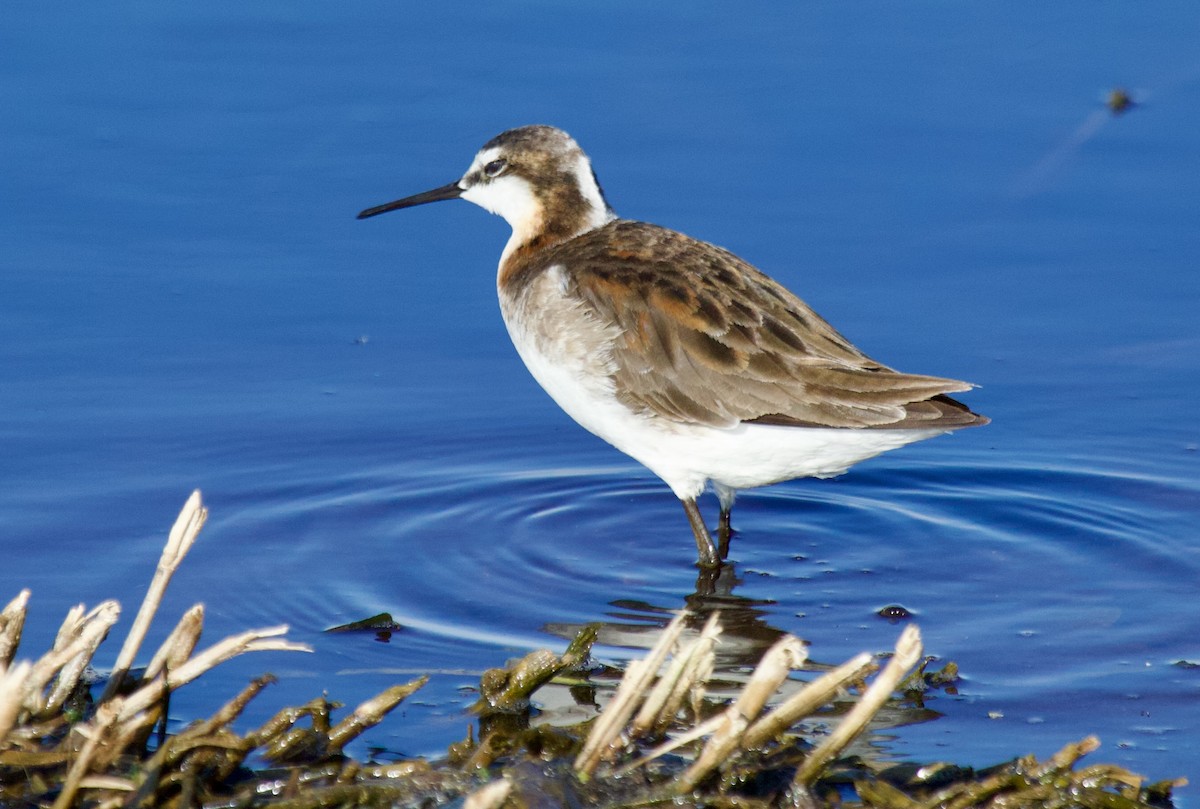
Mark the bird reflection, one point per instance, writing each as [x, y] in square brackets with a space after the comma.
[745, 631]
[746, 634]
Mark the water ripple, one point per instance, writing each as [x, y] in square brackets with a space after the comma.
[1049, 584]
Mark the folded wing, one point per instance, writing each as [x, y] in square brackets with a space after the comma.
[706, 338]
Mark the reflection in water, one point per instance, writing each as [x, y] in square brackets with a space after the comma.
[746, 635]
[634, 624]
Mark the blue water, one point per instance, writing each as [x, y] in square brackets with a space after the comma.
[187, 301]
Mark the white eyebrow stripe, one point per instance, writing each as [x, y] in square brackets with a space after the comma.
[484, 157]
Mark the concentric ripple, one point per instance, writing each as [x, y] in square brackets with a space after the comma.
[1060, 589]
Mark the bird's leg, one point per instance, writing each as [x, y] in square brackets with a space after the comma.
[724, 532]
[704, 543]
[725, 495]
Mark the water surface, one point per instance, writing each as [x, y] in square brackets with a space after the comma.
[188, 302]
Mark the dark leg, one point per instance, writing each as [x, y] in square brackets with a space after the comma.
[704, 544]
[725, 495]
[724, 532]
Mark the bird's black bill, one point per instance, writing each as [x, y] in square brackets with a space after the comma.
[451, 191]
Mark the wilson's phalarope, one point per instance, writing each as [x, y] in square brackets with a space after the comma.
[673, 350]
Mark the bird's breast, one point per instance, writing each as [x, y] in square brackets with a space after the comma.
[567, 348]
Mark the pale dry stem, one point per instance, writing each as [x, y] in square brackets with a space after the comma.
[12, 622]
[119, 724]
[183, 533]
[371, 713]
[606, 732]
[489, 796]
[69, 628]
[12, 694]
[787, 654]
[908, 652]
[179, 645]
[255, 640]
[705, 728]
[808, 699]
[688, 669]
[80, 635]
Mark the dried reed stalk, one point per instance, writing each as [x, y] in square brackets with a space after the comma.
[80, 634]
[604, 737]
[255, 640]
[688, 670]
[741, 726]
[371, 713]
[787, 654]
[12, 622]
[12, 694]
[29, 690]
[808, 699]
[908, 652]
[489, 796]
[183, 534]
[179, 645]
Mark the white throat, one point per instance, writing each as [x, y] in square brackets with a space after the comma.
[511, 197]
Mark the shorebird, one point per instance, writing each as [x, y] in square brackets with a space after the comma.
[675, 351]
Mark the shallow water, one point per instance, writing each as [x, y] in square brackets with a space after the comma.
[188, 302]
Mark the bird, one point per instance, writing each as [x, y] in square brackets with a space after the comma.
[675, 351]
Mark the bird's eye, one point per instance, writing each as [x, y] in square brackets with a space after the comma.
[495, 168]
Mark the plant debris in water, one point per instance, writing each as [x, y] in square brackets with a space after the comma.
[383, 625]
[661, 739]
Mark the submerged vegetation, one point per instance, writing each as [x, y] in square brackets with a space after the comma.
[662, 737]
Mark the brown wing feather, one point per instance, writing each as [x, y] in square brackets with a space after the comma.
[706, 338]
